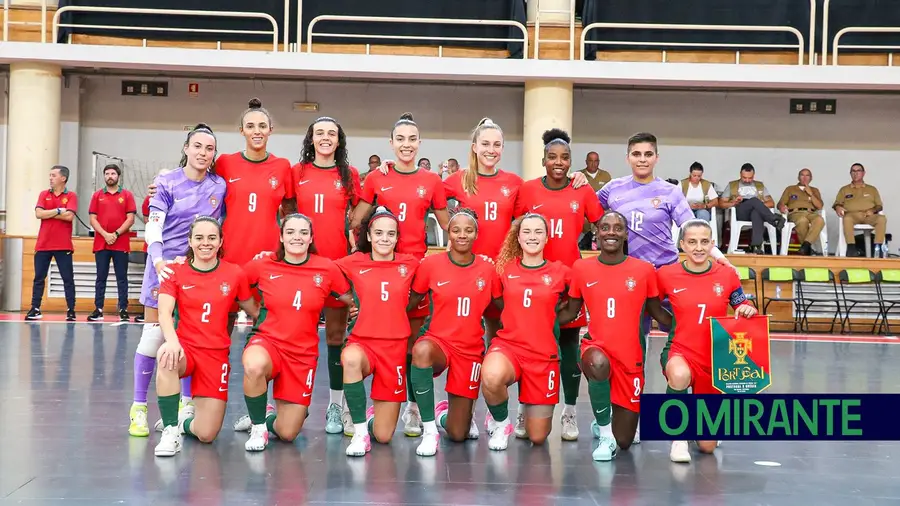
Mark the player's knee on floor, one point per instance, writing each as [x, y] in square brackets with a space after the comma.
[383, 435]
[205, 433]
[624, 443]
[458, 433]
[707, 446]
[288, 435]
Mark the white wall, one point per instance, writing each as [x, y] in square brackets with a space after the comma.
[721, 130]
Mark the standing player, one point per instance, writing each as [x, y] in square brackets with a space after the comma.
[650, 206]
[461, 285]
[525, 350]
[380, 278]
[616, 290]
[697, 289]
[565, 208]
[201, 290]
[193, 189]
[411, 193]
[283, 346]
[327, 189]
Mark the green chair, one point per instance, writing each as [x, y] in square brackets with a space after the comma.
[780, 276]
[817, 287]
[748, 274]
[854, 294]
[887, 282]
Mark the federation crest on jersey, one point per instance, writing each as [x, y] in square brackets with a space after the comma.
[717, 288]
[273, 181]
[337, 185]
[630, 283]
[574, 206]
[65, 200]
[213, 201]
[403, 270]
[317, 279]
[420, 191]
[480, 284]
[547, 279]
[655, 202]
[224, 288]
[505, 191]
[121, 200]
[154, 293]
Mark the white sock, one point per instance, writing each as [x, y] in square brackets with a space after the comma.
[569, 410]
[337, 397]
[606, 430]
[185, 400]
[361, 428]
[138, 403]
[429, 427]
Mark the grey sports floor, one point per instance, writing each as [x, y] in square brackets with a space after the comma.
[65, 390]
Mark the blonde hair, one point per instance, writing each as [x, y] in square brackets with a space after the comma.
[511, 248]
[470, 178]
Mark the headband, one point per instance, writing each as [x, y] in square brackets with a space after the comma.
[382, 212]
[465, 212]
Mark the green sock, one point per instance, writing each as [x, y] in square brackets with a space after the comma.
[569, 371]
[256, 408]
[410, 391]
[270, 423]
[168, 409]
[600, 403]
[335, 369]
[499, 412]
[371, 425]
[670, 390]
[187, 427]
[355, 394]
[422, 381]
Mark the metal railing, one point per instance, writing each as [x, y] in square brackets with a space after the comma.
[310, 32]
[166, 12]
[861, 29]
[42, 23]
[537, 29]
[723, 28]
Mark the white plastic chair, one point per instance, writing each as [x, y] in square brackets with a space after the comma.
[737, 226]
[789, 227]
[438, 231]
[867, 230]
[714, 223]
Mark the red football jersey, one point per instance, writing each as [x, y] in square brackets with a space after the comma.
[565, 210]
[494, 204]
[382, 293]
[322, 197]
[202, 302]
[695, 297]
[530, 298]
[409, 197]
[614, 296]
[459, 295]
[253, 197]
[293, 296]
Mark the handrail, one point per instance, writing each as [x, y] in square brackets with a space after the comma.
[432, 21]
[826, 8]
[724, 28]
[861, 29]
[537, 29]
[42, 23]
[174, 12]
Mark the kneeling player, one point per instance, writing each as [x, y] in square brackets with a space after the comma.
[283, 346]
[462, 285]
[202, 290]
[615, 289]
[698, 289]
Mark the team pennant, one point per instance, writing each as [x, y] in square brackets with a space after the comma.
[741, 356]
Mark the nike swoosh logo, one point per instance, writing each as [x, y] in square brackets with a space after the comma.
[601, 410]
[592, 284]
[679, 290]
[146, 372]
[186, 287]
[233, 180]
[306, 394]
[181, 199]
[223, 389]
[386, 189]
[272, 276]
[398, 392]
[635, 401]
[422, 393]
[442, 283]
[363, 271]
[550, 394]
[513, 277]
[473, 387]
[301, 183]
[537, 207]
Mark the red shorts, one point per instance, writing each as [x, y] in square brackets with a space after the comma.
[701, 378]
[208, 369]
[538, 379]
[463, 369]
[492, 312]
[626, 383]
[578, 322]
[293, 376]
[422, 310]
[387, 362]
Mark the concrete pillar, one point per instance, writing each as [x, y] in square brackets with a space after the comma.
[550, 18]
[32, 141]
[548, 104]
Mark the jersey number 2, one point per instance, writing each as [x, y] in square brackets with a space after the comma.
[207, 308]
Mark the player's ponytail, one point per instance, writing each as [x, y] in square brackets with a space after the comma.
[254, 105]
[341, 155]
[405, 119]
[470, 178]
[189, 254]
[280, 252]
[201, 128]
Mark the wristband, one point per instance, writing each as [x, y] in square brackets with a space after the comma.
[58, 211]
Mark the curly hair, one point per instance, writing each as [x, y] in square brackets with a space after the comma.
[470, 178]
[556, 136]
[363, 244]
[279, 253]
[511, 248]
[189, 254]
[463, 211]
[341, 154]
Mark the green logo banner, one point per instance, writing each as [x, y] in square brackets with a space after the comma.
[741, 356]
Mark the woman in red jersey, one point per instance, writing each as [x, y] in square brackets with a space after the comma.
[283, 346]
[461, 286]
[411, 193]
[698, 289]
[526, 349]
[327, 189]
[380, 278]
[201, 290]
[566, 208]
